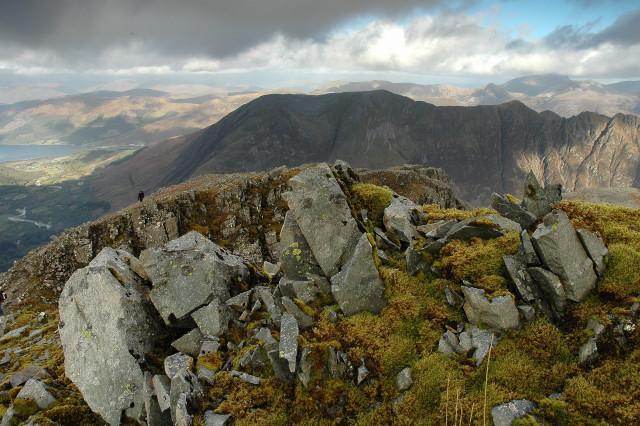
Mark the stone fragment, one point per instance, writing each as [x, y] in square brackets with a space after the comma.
[401, 218]
[358, 286]
[363, 372]
[289, 340]
[189, 272]
[403, 379]
[30, 372]
[535, 199]
[526, 252]
[177, 364]
[332, 316]
[323, 215]
[511, 210]
[528, 312]
[270, 268]
[212, 419]
[500, 313]
[154, 414]
[453, 298]
[107, 324]
[162, 388]
[481, 340]
[266, 296]
[304, 321]
[505, 414]
[524, 284]
[184, 393]
[190, 343]
[295, 255]
[560, 250]
[208, 346]
[595, 248]
[595, 326]
[415, 262]
[553, 193]
[588, 351]
[258, 361]
[36, 390]
[240, 302]
[304, 366]
[265, 335]
[213, 319]
[477, 227]
[179, 411]
[383, 241]
[280, 366]
[246, 377]
[551, 286]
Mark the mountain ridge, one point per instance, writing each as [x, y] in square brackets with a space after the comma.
[484, 149]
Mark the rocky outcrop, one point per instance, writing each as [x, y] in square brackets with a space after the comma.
[198, 291]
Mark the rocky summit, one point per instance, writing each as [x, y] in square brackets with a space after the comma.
[317, 296]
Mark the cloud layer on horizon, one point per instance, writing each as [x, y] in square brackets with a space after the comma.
[164, 36]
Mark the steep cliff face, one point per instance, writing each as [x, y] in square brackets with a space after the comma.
[484, 149]
[241, 212]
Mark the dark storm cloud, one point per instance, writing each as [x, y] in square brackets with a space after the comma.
[623, 32]
[184, 27]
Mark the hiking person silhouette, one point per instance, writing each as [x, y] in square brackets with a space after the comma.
[140, 195]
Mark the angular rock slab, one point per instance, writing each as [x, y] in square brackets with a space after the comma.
[213, 319]
[401, 217]
[358, 286]
[296, 257]
[190, 272]
[511, 210]
[535, 199]
[595, 248]
[107, 323]
[320, 209]
[501, 312]
[560, 250]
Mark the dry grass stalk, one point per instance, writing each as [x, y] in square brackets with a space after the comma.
[471, 415]
[486, 380]
[446, 407]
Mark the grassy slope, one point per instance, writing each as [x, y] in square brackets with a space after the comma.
[533, 363]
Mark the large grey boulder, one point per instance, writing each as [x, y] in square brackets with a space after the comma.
[507, 413]
[535, 199]
[560, 251]
[501, 312]
[595, 248]
[358, 286]
[107, 325]
[188, 273]
[322, 212]
[511, 210]
[401, 218]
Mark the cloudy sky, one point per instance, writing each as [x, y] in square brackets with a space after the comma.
[292, 42]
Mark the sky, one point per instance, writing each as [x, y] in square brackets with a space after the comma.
[293, 43]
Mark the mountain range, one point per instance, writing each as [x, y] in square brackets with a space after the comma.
[555, 93]
[483, 149]
[129, 114]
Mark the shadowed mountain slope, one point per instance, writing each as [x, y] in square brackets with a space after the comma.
[484, 149]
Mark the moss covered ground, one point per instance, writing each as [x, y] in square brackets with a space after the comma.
[538, 362]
